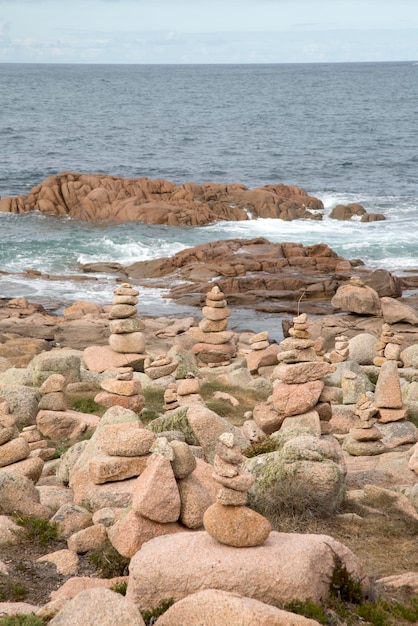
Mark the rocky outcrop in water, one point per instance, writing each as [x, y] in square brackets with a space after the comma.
[101, 197]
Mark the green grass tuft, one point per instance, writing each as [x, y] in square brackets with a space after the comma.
[120, 587]
[108, 562]
[21, 620]
[150, 616]
[35, 529]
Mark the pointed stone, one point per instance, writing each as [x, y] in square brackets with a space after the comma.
[156, 495]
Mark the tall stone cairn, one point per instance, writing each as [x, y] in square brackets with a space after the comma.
[228, 520]
[125, 327]
[214, 346]
[389, 347]
[297, 381]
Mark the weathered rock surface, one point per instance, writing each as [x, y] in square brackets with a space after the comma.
[98, 606]
[207, 607]
[102, 197]
[285, 568]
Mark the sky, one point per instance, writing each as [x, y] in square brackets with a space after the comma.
[208, 31]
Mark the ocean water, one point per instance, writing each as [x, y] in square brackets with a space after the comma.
[343, 132]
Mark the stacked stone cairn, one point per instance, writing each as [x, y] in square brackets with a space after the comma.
[124, 451]
[364, 438]
[188, 390]
[298, 385]
[53, 394]
[166, 498]
[392, 422]
[162, 366]
[228, 520]
[125, 327]
[341, 351]
[389, 347]
[121, 390]
[214, 345]
[18, 452]
[170, 398]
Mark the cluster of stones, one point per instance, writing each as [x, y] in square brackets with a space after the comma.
[122, 390]
[125, 327]
[260, 341]
[20, 453]
[166, 497]
[52, 392]
[385, 423]
[124, 450]
[298, 384]
[389, 347]
[364, 438]
[228, 520]
[214, 345]
[341, 350]
[163, 365]
[181, 393]
[170, 398]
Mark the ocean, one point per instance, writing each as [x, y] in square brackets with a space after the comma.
[344, 132]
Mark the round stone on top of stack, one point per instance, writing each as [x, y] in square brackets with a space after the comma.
[214, 346]
[228, 520]
[125, 327]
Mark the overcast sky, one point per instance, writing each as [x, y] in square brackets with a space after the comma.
[208, 31]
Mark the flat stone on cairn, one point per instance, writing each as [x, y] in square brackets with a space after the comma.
[125, 327]
[228, 520]
[163, 365]
[214, 346]
[122, 390]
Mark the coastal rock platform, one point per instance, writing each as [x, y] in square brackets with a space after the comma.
[101, 197]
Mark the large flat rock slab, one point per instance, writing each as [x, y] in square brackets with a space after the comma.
[286, 567]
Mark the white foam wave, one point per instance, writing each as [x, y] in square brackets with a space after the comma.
[126, 253]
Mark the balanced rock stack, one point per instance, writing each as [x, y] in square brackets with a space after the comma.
[122, 390]
[163, 365]
[392, 422]
[297, 383]
[389, 347]
[188, 390]
[53, 394]
[15, 450]
[170, 398]
[166, 498]
[124, 451]
[125, 327]
[38, 446]
[341, 351]
[228, 520]
[262, 353]
[214, 346]
[364, 438]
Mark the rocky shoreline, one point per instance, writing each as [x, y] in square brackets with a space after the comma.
[329, 415]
